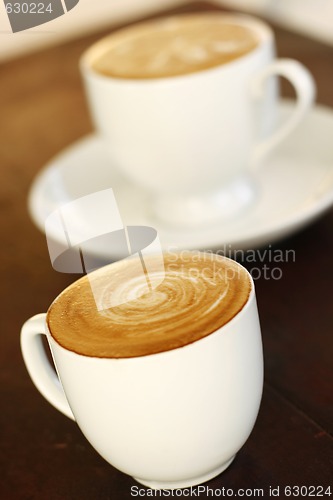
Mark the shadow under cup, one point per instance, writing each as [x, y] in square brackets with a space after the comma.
[170, 420]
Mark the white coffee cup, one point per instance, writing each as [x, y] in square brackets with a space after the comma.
[170, 420]
[192, 140]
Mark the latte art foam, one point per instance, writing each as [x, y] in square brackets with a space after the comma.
[174, 46]
[199, 294]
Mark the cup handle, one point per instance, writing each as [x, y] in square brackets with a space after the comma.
[39, 366]
[305, 88]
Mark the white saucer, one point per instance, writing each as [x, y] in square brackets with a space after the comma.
[295, 187]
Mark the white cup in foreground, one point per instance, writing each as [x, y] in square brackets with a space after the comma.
[166, 387]
[186, 107]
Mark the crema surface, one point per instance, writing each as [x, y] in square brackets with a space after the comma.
[200, 292]
[174, 46]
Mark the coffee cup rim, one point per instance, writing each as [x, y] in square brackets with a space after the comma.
[251, 297]
[265, 32]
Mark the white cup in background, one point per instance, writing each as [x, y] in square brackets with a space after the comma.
[191, 141]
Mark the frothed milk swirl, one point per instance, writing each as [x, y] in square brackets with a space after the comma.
[200, 293]
[173, 46]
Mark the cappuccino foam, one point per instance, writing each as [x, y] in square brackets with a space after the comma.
[200, 293]
[174, 46]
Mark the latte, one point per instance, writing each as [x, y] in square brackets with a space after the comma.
[200, 293]
[173, 46]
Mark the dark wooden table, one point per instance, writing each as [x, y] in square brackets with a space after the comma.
[43, 455]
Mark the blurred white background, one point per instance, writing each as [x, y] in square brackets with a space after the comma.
[310, 17]
[313, 18]
[86, 17]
